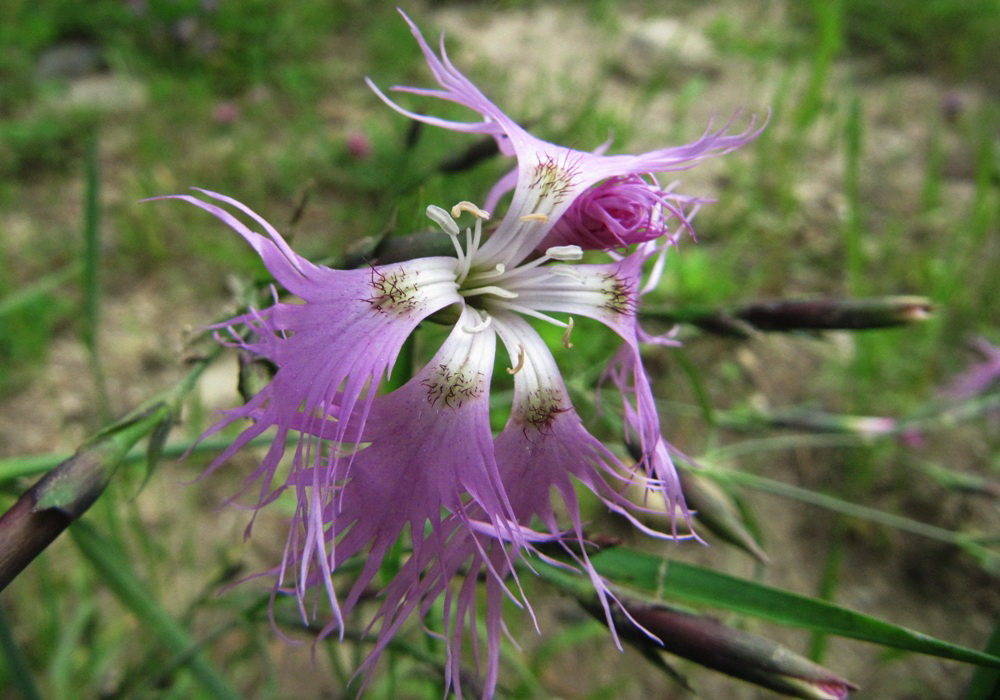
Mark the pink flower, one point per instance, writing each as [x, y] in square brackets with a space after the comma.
[368, 466]
[550, 179]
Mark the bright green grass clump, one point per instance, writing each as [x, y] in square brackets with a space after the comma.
[956, 39]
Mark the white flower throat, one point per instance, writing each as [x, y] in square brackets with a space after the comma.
[493, 288]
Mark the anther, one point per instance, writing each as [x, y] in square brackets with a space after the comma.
[456, 211]
[440, 217]
[565, 252]
[520, 362]
[565, 338]
[479, 327]
[537, 216]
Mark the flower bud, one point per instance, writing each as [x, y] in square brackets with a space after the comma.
[47, 508]
[834, 314]
[616, 213]
[715, 510]
[61, 496]
[708, 642]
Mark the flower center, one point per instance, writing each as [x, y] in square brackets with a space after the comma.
[487, 288]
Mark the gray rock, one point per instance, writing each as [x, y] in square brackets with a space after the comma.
[101, 93]
[665, 46]
[69, 60]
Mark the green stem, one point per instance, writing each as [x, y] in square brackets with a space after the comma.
[16, 467]
[91, 268]
[42, 513]
[854, 510]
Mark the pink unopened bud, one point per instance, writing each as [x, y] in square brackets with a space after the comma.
[619, 212]
[871, 426]
[717, 511]
[823, 422]
[833, 314]
[708, 642]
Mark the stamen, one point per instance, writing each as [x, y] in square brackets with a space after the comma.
[527, 311]
[481, 326]
[473, 237]
[565, 252]
[448, 225]
[440, 217]
[489, 289]
[537, 216]
[565, 338]
[520, 362]
[456, 211]
[477, 238]
[497, 271]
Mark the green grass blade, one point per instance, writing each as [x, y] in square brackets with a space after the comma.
[696, 584]
[72, 638]
[827, 43]
[91, 267]
[38, 289]
[32, 465]
[828, 588]
[985, 683]
[29, 465]
[854, 147]
[115, 572]
[989, 558]
[18, 670]
[91, 247]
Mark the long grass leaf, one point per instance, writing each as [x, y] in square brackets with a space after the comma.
[91, 267]
[38, 289]
[18, 669]
[700, 585]
[838, 505]
[31, 465]
[985, 683]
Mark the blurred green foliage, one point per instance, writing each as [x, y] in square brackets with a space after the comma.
[230, 45]
[955, 39]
